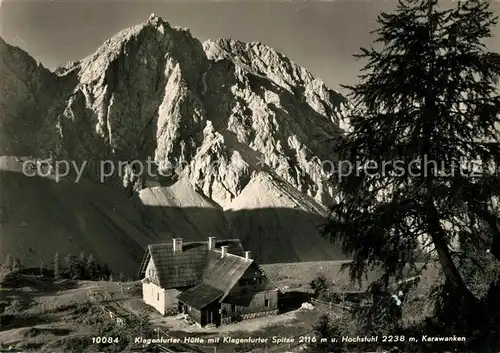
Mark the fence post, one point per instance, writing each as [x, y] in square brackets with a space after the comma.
[342, 307]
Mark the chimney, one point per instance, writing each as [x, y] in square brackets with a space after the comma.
[177, 242]
[248, 255]
[223, 250]
[211, 243]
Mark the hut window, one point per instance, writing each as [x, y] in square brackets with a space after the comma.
[233, 308]
[158, 296]
[266, 302]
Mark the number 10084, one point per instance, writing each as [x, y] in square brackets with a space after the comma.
[104, 340]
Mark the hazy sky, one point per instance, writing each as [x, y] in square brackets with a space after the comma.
[321, 36]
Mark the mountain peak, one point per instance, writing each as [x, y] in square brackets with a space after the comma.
[156, 21]
[154, 17]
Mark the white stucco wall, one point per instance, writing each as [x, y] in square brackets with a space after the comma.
[154, 295]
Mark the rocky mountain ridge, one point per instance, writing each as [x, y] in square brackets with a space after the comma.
[155, 91]
[221, 116]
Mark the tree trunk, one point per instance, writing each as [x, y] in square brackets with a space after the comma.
[438, 237]
[492, 222]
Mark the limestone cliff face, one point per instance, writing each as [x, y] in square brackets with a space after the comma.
[215, 113]
[137, 96]
[25, 100]
[268, 113]
[261, 60]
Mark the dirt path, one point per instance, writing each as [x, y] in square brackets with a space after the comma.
[251, 325]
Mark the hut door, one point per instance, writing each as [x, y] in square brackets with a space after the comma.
[210, 317]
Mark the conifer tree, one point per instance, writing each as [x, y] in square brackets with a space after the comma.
[82, 257]
[91, 268]
[105, 272]
[57, 266]
[41, 266]
[74, 267]
[16, 265]
[327, 328]
[82, 266]
[8, 262]
[420, 162]
[67, 261]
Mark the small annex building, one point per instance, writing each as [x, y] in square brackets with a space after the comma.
[214, 282]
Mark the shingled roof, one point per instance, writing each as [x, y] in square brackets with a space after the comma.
[224, 272]
[187, 267]
[218, 278]
[200, 296]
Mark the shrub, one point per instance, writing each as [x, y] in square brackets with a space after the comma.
[140, 327]
[327, 328]
[320, 287]
[14, 307]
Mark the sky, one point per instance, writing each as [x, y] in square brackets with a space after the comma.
[321, 36]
